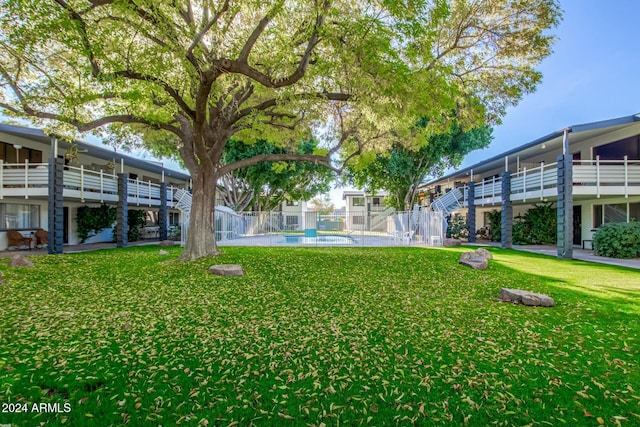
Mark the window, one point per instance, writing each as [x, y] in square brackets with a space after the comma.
[377, 201]
[358, 220]
[358, 201]
[604, 214]
[634, 211]
[629, 147]
[292, 220]
[19, 216]
[289, 203]
[10, 154]
[174, 218]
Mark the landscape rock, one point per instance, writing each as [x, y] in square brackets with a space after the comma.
[473, 260]
[518, 296]
[452, 242]
[167, 243]
[163, 252]
[226, 270]
[484, 253]
[20, 261]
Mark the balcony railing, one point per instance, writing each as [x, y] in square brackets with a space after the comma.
[32, 179]
[590, 177]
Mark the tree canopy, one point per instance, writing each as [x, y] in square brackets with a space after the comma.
[265, 185]
[402, 169]
[185, 76]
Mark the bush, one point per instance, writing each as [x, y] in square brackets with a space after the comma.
[538, 226]
[457, 227]
[495, 225]
[618, 240]
[135, 219]
[93, 220]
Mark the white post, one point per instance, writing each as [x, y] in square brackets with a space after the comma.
[626, 176]
[541, 180]
[149, 194]
[598, 177]
[137, 191]
[55, 147]
[121, 165]
[518, 164]
[524, 184]
[493, 187]
[82, 183]
[1, 179]
[101, 187]
[483, 181]
[26, 178]
[506, 163]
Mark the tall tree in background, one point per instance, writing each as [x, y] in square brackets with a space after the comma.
[185, 76]
[401, 170]
[265, 185]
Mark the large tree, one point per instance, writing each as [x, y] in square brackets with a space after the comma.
[265, 185]
[187, 75]
[402, 169]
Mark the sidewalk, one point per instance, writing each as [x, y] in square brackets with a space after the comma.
[69, 249]
[578, 254]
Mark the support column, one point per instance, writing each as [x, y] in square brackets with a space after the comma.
[507, 212]
[122, 223]
[56, 206]
[162, 214]
[471, 214]
[565, 207]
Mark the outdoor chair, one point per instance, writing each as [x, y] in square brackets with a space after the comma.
[17, 239]
[42, 238]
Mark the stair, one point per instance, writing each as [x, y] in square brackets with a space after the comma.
[448, 202]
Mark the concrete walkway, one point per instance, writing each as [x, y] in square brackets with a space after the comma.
[578, 254]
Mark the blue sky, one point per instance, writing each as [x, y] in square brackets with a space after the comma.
[593, 74]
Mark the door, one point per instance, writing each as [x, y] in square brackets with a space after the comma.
[577, 225]
[65, 225]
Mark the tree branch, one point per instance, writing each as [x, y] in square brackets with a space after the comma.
[291, 157]
[251, 41]
[202, 32]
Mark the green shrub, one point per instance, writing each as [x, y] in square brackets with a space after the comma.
[618, 240]
[135, 219]
[538, 226]
[457, 227]
[495, 224]
[93, 220]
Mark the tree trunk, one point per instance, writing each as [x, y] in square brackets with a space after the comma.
[201, 240]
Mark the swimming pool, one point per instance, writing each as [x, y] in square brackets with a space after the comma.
[321, 239]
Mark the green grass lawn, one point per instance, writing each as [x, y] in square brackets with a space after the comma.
[318, 336]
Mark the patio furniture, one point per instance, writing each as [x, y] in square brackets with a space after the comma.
[42, 238]
[17, 239]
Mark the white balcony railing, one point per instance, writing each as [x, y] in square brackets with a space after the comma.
[537, 182]
[606, 177]
[32, 179]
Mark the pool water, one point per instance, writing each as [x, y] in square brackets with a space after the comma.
[322, 239]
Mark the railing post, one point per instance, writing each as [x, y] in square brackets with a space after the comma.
[626, 177]
[101, 186]
[541, 180]
[483, 191]
[149, 193]
[524, 184]
[1, 179]
[598, 177]
[26, 178]
[137, 191]
[82, 183]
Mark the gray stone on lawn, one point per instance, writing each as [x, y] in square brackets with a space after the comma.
[167, 243]
[20, 261]
[518, 296]
[452, 242]
[473, 260]
[484, 253]
[163, 252]
[226, 270]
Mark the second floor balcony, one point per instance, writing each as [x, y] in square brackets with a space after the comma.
[27, 180]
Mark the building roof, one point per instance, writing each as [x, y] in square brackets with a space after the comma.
[577, 133]
[93, 150]
[359, 193]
